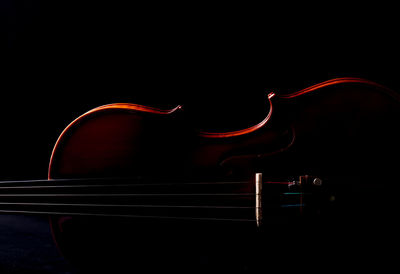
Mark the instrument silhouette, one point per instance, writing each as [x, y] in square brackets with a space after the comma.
[129, 182]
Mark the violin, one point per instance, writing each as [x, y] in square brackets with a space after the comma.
[139, 185]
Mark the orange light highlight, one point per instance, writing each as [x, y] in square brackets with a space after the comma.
[331, 82]
[242, 131]
[133, 107]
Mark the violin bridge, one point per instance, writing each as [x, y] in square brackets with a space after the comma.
[258, 183]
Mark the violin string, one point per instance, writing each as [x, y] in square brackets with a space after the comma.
[50, 213]
[126, 205]
[125, 194]
[80, 186]
[132, 182]
[73, 187]
[81, 213]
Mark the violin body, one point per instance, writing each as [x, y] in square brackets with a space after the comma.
[128, 139]
[346, 128]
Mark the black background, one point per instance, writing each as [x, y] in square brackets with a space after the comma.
[62, 58]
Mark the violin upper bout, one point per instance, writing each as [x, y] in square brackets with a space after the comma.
[116, 140]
